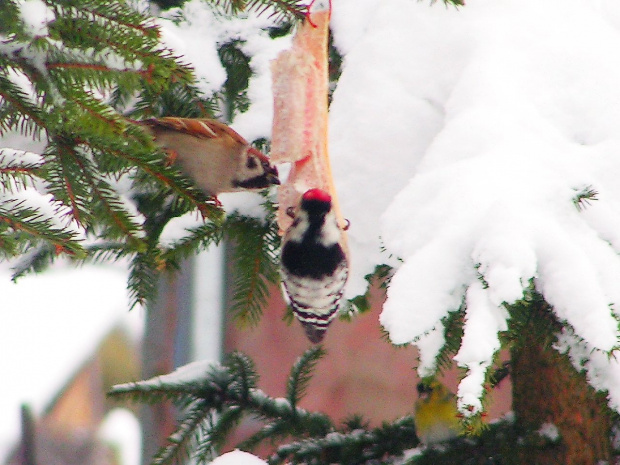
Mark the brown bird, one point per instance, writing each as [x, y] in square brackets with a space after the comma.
[215, 156]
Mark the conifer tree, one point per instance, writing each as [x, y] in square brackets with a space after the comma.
[76, 85]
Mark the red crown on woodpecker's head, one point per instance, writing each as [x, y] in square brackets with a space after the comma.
[317, 194]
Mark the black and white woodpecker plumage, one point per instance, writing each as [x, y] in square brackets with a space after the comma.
[314, 265]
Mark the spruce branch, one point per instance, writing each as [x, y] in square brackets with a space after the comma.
[221, 395]
[217, 433]
[279, 10]
[120, 224]
[245, 370]
[17, 111]
[238, 70]
[383, 444]
[32, 226]
[455, 3]
[181, 99]
[198, 238]
[187, 435]
[16, 175]
[115, 13]
[255, 262]
[296, 386]
[143, 277]
[215, 399]
[66, 179]
[9, 15]
[35, 260]
[106, 251]
[272, 432]
[584, 196]
[57, 84]
[301, 374]
[453, 325]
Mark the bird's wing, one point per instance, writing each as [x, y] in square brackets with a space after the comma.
[202, 128]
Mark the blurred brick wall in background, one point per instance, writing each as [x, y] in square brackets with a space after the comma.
[362, 372]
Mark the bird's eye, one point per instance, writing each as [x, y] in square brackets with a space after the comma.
[424, 388]
[290, 211]
[251, 163]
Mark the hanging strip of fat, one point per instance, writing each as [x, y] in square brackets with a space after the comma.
[300, 88]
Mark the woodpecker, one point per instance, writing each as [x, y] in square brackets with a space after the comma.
[215, 156]
[314, 265]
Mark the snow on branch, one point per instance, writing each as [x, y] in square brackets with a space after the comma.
[464, 161]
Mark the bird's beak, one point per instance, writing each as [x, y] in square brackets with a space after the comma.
[272, 175]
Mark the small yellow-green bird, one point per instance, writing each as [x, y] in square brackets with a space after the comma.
[436, 417]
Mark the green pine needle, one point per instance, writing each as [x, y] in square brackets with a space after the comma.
[68, 88]
[185, 438]
[301, 374]
[279, 10]
[254, 259]
[584, 197]
[245, 372]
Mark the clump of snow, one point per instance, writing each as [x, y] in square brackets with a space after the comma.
[197, 29]
[36, 15]
[483, 321]
[12, 157]
[549, 431]
[459, 162]
[238, 457]
[177, 228]
[194, 38]
[244, 203]
[191, 373]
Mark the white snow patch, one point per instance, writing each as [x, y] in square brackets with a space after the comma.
[459, 162]
[244, 203]
[483, 321]
[121, 430]
[178, 228]
[549, 431]
[36, 15]
[54, 321]
[470, 390]
[196, 30]
[238, 457]
[194, 37]
[191, 373]
[429, 345]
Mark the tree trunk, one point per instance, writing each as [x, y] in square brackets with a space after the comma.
[547, 389]
[165, 316]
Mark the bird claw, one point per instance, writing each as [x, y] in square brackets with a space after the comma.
[171, 157]
[204, 210]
